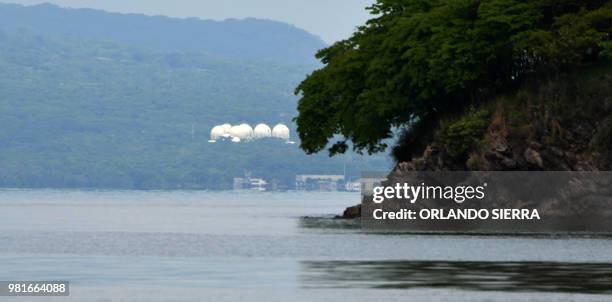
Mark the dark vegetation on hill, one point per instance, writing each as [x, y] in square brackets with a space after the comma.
[248, 39]
[97, 113]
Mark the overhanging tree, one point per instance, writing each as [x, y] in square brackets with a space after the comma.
[418, 61]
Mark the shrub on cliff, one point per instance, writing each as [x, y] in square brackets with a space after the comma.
[464, 134]
[417, 62]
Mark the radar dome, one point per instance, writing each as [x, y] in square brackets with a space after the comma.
[242, 132]
[281, 131]
[216, 133]
[226, 129]
[247, 130]
[261, 131]
[235, 131]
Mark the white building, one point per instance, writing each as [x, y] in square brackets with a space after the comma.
[262, 131]
[318, 182]
[244, 132]
[281, 131]
[217, 133]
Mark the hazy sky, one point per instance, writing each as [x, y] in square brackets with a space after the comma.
[330, 19]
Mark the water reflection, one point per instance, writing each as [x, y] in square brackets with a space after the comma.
[594, 278]
[328, 222]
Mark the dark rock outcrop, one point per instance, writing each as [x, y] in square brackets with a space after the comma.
[351, 212]
[563, 125]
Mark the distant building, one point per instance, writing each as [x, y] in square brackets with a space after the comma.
[364, 185]
[244, 133]
[319, 182]
[258, 184]
[249, 183]
[239, 184]
[281, 131]
[353, 186]
[368, 184]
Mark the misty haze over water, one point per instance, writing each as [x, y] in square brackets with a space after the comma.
[190, 246]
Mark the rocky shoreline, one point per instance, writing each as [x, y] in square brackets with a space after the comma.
[351, 213]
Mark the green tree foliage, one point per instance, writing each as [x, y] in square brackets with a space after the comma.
[465, 133]
[416, 62]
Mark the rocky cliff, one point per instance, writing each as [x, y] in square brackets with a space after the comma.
[560, 124]
[564, 124]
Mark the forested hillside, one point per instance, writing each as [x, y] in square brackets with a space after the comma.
[250, 39]
[104, 114]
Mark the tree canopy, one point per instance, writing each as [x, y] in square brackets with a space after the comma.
[417, 61]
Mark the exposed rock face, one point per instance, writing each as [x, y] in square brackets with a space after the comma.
[561, 126]
[351, 212]
[533, 158]
[530, 156]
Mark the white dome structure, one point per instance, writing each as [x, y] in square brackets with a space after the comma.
[226, 129]
[247, 130]
[216, 133]
[242, 132]
[236, 132]
[262, 131]
[280, 131]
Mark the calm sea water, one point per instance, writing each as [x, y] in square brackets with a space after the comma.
[203, 246]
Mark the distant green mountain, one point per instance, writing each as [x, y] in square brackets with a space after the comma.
[251, 39]
[81, 112]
